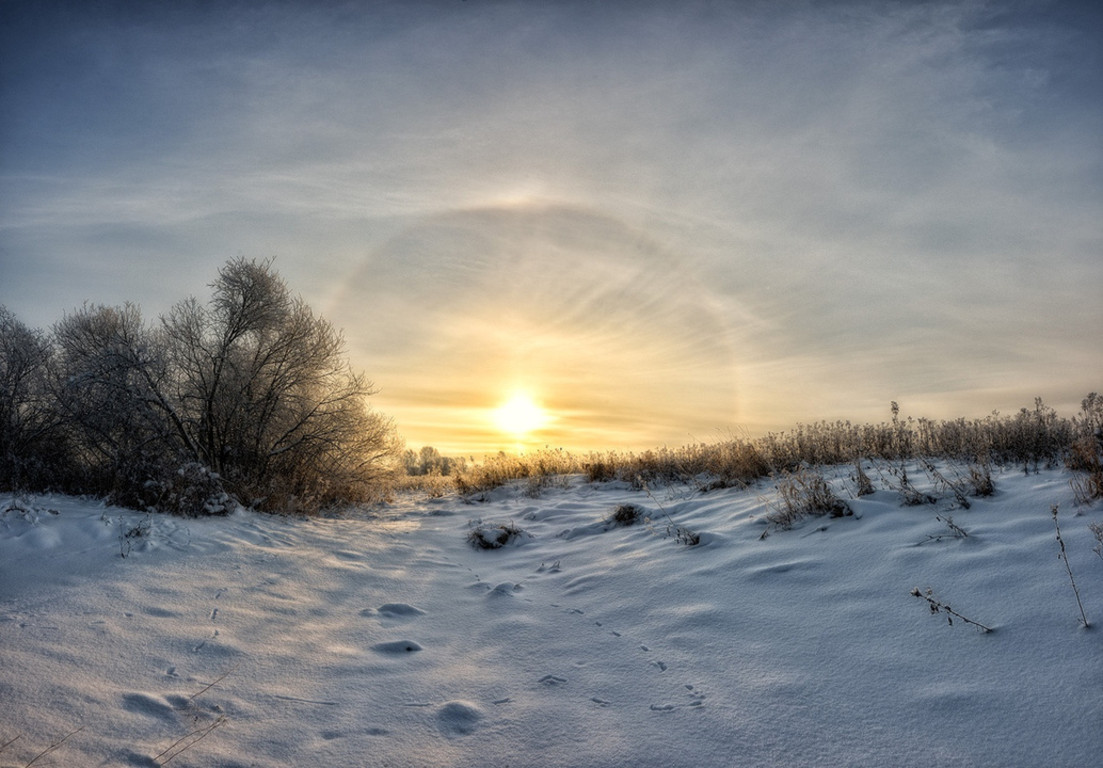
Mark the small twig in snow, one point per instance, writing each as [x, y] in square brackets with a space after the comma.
[938, 606]
[52, 747]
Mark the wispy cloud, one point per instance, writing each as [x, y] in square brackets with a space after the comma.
[675, 218]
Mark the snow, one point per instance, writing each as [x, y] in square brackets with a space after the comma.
[384, 638]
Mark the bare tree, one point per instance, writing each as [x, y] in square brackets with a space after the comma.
[250, 393]
[108, 389]
[266, 397]
[28, 422]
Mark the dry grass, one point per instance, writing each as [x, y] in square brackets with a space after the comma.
[1030, 439]
[805, 493]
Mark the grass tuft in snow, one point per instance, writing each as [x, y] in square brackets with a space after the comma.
[128, 534]
[491, 536]
[805, 493]
[627, 514]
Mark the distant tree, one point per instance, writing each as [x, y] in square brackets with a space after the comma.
[28, 421]
[429, 461]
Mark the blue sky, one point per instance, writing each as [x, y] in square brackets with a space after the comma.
[666, 221]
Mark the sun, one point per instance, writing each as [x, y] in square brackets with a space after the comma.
[520, 415]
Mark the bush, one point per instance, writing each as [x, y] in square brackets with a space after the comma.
[250, 395]
[1086, 453]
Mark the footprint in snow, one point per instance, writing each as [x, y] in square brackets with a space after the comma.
[695, 699]
[400, 611]
[397, 647]
[458, 718]
[146, 704]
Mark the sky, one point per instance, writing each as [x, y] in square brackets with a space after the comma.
[665, 222]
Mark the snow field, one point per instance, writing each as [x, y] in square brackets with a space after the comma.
[384, 639]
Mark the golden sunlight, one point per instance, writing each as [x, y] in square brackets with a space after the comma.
[520, 415]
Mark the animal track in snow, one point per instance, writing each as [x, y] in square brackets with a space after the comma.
[693, 697]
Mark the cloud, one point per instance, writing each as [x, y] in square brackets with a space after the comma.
[676, 217]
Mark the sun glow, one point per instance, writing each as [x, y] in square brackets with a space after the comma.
[520, 415]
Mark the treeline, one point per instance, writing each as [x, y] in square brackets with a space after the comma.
[246, 398]
[429, 462]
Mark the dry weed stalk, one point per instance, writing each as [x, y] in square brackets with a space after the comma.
[52, 747]
[188, 740]
[1063, 555]
[955, 530]
[197, 734]
[679, 532]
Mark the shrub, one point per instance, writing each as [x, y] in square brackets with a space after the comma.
[1086, 452]
[250, 393]
[194, 491]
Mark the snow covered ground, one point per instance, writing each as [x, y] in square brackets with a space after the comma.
[384, 638]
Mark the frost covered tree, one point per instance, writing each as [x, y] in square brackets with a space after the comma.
[28, 421]
[249, 394]
[266, 398]
[108, 380]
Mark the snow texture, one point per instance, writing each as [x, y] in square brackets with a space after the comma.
[383, 638]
